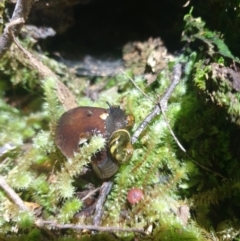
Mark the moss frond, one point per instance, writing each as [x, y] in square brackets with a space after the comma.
[227, 189]
[69, 208]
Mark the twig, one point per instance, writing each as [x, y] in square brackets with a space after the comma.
[45, 71]
[171, 131]
[12, 194]
[90, 194]
[177, 72]
[105, 189]
[88, 227]
[206, 168]
[137, 87]
[162, 105]
[65, 96]
[22, 10]
[163, 112]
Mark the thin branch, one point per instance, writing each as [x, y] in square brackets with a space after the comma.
[39, 66]
[105, 189]
[206, 168]
[40, 223]
[171, 131]
[136, 86]
[65, 96]
[12, 194]
[162, 105]
[22, 10]
[90, 194]
[177, 73]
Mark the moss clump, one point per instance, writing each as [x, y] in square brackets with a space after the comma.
[210, 127]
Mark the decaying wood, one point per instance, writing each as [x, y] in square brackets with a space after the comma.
[55, 225]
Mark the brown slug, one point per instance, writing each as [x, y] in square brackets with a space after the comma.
[78, 125]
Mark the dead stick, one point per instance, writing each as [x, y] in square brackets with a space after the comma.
[22, 10]
[104, 191]
[64, 95]
[163, 102]
[12, 194]
[88, 227]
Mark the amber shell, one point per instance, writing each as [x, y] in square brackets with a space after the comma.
[79, 123]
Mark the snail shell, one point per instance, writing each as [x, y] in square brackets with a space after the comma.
[120, 147]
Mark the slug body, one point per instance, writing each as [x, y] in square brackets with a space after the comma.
[78, 125]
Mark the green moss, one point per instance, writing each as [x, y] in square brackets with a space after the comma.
[25, 220]
[69, 208]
